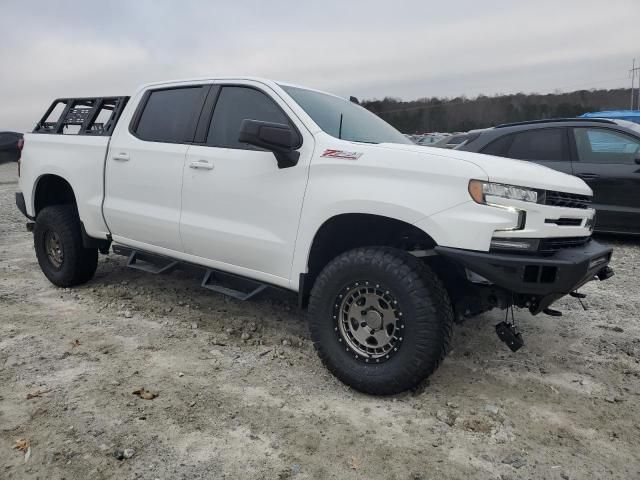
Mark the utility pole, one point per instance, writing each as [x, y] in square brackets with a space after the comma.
[633, 77]
[633, 71]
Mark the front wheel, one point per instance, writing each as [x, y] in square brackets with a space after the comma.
[58, 243]
[380, 319]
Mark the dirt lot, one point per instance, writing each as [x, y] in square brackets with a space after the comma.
[241, 393]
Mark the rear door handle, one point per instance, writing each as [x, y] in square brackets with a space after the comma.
[201, 164]
[588, 176]
[121, 157]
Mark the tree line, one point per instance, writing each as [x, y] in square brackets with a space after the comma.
[461, 114]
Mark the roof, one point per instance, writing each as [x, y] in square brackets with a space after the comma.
[556, 120]
[264, 81]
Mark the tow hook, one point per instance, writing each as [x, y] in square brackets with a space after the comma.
[508, 333]
[606, 272]
[556, 313]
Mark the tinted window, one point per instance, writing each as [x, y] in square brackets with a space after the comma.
[497, 147]
[598, 145]
[236, 104]
[169, 114]
[542, 144]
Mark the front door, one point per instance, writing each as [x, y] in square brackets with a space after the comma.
[606, 160]
[143, 173]
[240, 212]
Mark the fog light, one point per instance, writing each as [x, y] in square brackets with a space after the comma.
[515, 244]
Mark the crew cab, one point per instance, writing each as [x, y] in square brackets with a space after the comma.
[261, 183]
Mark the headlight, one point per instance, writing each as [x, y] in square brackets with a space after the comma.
[479, 190]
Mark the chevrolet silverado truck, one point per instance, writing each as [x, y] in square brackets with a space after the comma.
[265, 184]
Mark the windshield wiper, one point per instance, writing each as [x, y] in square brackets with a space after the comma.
[340, 128]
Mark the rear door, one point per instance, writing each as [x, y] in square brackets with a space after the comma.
[606, 160]
[546, 146]
[143, 173]
[240, 212]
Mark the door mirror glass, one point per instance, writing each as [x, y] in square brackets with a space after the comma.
[279, 138]
[268, 135]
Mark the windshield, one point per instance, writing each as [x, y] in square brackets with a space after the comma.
[344, 119]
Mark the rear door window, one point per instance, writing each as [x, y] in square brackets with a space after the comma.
[170, 114]
[600, 145]
[236, 104]
[498, 147]
[548, 144]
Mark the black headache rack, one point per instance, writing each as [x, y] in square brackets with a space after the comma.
[95, 116]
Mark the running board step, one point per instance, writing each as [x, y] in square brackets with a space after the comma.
[213, 281]
[150, 263]
[235, 286]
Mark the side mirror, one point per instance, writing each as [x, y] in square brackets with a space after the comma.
[278, 138]
[637, 159]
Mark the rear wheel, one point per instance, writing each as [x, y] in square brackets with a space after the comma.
[380, 319]
[58, 244]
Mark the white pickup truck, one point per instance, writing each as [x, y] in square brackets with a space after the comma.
[267, 184]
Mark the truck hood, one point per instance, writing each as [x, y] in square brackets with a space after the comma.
[507, 170]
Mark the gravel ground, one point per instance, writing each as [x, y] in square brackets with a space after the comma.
[241, 393]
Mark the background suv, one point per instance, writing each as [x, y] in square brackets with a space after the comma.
[604, 153]
[9, 146]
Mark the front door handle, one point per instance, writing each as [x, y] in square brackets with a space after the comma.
[588, 176]
[121, 157]
[201, 164]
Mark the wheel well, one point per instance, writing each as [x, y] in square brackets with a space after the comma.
[55, 190]
[353, 230]
[52, 190]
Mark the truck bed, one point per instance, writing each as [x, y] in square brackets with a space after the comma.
[86, 125]
[82, 166]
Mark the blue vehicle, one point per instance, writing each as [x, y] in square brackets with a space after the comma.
[629, 115]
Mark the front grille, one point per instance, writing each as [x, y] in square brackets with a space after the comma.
[569, 200]
[565, 222]
[549, 245]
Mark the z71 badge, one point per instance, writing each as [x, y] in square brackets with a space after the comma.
[330, 153]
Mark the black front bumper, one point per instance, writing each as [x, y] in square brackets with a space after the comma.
[545, 277]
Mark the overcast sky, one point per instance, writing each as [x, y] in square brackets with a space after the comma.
[374, 48]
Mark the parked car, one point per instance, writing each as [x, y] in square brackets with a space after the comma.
[628, 115]
[452, 141]
[9, 146]
[430, 139]
[266, 184]
[604, 153]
